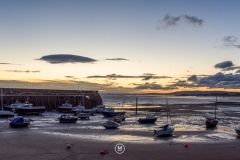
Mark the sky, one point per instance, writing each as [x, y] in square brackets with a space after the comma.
[127, 46]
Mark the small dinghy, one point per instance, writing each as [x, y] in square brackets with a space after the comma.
[110, 124]
[237, 130]
[211, 122]
[148, 119]
[19, 122]
[163, 131]
[83, 115]
[67, 119]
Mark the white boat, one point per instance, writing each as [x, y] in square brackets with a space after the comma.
[237, 130]
[83, 115]
[163, 131]
[111, 124]
[28, 108]
[66, 107]
[100, 108]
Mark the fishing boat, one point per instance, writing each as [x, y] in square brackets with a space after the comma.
[67, 119]
[109, 112]
[28, 108]
[163, 131]
[19, 122]
[83, 115]
[111, 125]
[212, 122]
[12, 106]
[148, 119]
[66, 107]
[237, 130]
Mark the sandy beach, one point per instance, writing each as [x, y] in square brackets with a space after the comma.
[45, 138]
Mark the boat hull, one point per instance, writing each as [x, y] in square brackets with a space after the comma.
[211, 123]
[24, 111]
[68, 120]
[111, 114]
[18, 125]
[65, 110]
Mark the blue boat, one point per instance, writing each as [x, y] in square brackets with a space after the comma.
[19, 122]
[109, 112]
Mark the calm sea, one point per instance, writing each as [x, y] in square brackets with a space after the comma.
[152, 100]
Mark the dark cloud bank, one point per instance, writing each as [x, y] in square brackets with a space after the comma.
[66, 58]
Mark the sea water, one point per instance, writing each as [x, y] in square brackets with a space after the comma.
[126, 100]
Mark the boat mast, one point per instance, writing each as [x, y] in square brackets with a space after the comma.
[216, 108]
[1, 99]
[168, 112]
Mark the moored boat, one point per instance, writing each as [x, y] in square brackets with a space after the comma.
[28, 108]
[100, 108]
[5, 114]
[78, 109]
[211, 122]
[66, 107]
[67, 119]
[163, 131]
[109, 112]
[237, 130]
[111, 124]
[148, 119]
[83, 115]
[19, 122]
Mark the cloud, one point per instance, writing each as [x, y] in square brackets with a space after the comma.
[117, 59]
[193, 78]
[9, 64]
[223, 65]
[153, 86]
[171, 21]
[19, 71]
[230, 42]
[66, 58]
[115, 76]
[230, 39]
[220, 80]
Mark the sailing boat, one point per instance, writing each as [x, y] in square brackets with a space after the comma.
[164, 130]
[2, 112]
[210, 121]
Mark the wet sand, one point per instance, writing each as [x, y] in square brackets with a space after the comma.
[45, 138]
